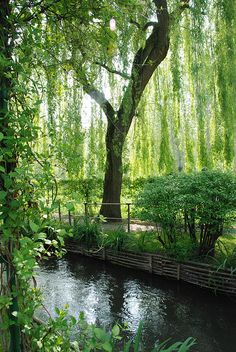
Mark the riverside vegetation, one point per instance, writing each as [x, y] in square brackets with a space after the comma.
[192, 212]
[53, 53]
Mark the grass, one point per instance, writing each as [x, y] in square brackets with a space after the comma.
[147, 241]
[225, 253]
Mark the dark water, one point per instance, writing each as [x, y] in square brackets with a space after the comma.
[169, 309]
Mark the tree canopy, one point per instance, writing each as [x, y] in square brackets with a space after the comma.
[185, 119]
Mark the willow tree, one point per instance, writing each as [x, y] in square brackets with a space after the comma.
[146, 60]
[132, 52]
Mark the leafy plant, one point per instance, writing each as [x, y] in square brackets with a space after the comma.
[199, 204]
[56, 335]
[183, 249]
[116, 239]
[87, 233]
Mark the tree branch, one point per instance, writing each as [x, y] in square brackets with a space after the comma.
[42, 9]
[175, 15]
[145, 27]
[146, 61]
[123, 75]
[149, 24]
[96, 95]
[100, 98]
[135, 23]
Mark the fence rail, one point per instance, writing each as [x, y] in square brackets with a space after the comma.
[71, 215]
[199, 274]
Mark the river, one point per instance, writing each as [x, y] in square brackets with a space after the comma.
[169, 309]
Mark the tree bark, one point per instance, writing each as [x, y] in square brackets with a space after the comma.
[113, 174]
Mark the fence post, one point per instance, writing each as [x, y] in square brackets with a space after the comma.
[178, 271]
[69, 217]
[86, 210]
[104, 253]
[128, 216]
[59, 211]
[150, 259]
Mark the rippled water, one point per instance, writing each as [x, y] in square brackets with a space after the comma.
[108, 293]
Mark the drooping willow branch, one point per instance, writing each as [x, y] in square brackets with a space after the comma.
[122, 74]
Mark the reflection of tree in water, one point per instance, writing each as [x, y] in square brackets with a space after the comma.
[169, 309]
[196, 313]
[94, 290]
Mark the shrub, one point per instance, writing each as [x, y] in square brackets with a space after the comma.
[158, 203]
[87, 233]
[183, 249]
[198, 203]
[116, 239]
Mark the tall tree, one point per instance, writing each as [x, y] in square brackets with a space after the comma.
[145, 62]
[146, 58]
[188, 102]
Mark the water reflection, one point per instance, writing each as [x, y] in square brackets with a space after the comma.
[108, 293]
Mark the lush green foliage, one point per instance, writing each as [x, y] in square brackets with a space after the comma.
[199, 204]
[190, 126]
[87, 233]
[56, 336]
[47, 48]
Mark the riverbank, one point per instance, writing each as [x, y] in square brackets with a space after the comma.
[200, 274]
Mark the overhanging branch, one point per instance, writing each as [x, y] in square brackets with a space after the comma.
[42, 9]
[122, 74]
[96, 95]
[100, 98]
[149, 24]
[145, 27]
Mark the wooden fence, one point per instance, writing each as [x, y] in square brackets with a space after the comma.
[200, 274]
[71, 215]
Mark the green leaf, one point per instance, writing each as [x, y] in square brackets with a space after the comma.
[40, 236]
[137, 340]
[47, 241]
[107, 346]
[57, 310]
[70, 206]
[187, 344]
[7, 181]
[100, 334]
[2, 195]
[61, 240]
[115, 330]
[34, 227]
[73, 320]
[1, 136]
[5, 301]
[127, 346]
[12, 215]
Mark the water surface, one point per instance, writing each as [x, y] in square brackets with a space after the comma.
[169, 309]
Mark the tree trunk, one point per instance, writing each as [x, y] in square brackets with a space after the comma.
[208, 239]
[145, 62]
[113, 174]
